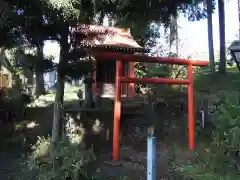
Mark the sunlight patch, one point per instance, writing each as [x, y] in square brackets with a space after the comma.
[25, 125]
[74, 131]
[97, 127]
[31, 125]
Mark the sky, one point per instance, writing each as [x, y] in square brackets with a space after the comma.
[193, 35]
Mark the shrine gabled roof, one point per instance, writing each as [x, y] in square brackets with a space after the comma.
[105, 38]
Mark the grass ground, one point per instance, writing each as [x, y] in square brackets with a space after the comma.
[214, 82]
[70, 94]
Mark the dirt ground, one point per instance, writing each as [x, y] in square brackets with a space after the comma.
[132, 157]
[133, 163]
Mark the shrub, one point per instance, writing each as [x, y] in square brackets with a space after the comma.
[70, 162]
[221, 160]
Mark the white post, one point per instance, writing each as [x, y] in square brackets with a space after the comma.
[202, 118]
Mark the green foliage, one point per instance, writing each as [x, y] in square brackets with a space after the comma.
[14, 99]
[71, 162]
[216, 83]
[158, 70]
[227, 136]
[10, 31]
[31, 62]
[127, 12]
[221, 160]
[31, 21]
[76, 69]
[43, 19]
[17, 98]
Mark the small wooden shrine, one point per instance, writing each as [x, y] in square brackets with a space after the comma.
[96, 38]
[115, 51]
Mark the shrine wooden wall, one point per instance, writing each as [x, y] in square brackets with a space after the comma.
[105, 78]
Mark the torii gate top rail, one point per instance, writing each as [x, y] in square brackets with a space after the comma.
[148, 59]
[120, 58]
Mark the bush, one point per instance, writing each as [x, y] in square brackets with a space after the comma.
[221, 160]
[70, 162]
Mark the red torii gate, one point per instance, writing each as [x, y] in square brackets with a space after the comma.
[120, 58]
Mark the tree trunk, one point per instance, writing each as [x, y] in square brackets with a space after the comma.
[58, 125]
[29, 76]
[40, 89]
[221, 17]
[88, 81]
[239, 18]
[173, 37]
[210, 36]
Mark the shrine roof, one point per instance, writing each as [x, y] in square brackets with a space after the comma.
[100, 37]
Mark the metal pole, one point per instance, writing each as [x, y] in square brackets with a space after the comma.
[151, 158]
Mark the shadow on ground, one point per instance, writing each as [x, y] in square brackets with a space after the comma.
[17, 138]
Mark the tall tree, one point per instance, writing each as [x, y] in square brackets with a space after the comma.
[40, 89]
[210, 35]
[239, 19]
[63, 61]
[67, 15]
[221, 18]
[173, 36]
